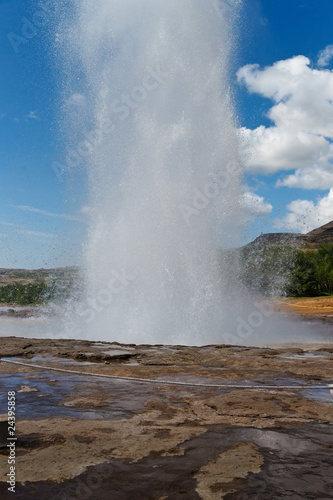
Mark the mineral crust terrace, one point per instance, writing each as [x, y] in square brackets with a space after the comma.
[124, 439]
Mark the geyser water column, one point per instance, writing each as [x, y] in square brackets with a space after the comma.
[162, 163]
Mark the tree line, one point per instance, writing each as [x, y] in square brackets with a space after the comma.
[312, 274]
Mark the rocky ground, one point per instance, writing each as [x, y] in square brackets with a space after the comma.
[92, 437]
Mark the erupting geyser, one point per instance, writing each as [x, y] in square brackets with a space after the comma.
[160, 144]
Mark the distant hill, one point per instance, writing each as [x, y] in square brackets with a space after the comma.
[26, 276]
[298, 265]
[321, 235]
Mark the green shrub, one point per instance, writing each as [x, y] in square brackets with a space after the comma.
[29, 294]
[282, 270]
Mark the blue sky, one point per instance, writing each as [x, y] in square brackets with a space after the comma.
[51, 234]
[279, 30]
[40, 220]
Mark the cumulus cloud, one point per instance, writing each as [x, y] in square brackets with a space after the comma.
[314, 177]
[301, 134]
[325, 56]
[255, 205]
[305, 215]
[268, 150]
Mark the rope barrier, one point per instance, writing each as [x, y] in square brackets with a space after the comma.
[172, 382]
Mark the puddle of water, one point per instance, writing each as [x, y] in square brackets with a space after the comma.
[102, 344]
[323, 395]
[277, 441]
[279, 381]
[63, 361]
[163, 349]
[308, 355]
[117, 352]
[114, 347]
[172, 476]
[53, 389]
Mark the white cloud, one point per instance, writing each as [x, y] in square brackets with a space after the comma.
[268, 150]
[27, 208]
[33, 115]
[255, 205]
[325, 56]
[305, 215]
[314, 177]
[302, 116]
[37, 233]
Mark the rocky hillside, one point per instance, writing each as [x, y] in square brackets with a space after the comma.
[321, 235]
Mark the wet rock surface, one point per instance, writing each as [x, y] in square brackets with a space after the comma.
[87, 437]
